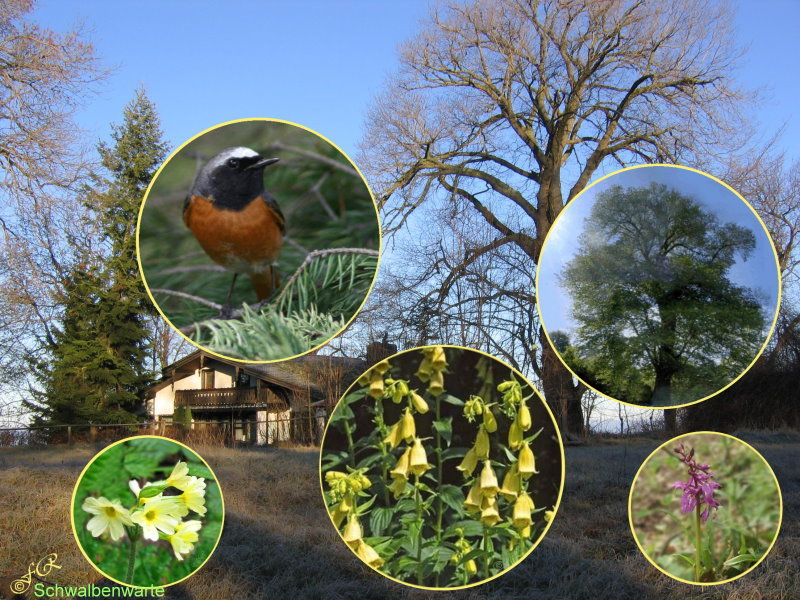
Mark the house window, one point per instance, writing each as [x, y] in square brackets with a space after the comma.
[207, 379]
[242, 380]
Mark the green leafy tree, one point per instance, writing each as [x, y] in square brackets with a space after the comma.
[99, 368]
[656, 309]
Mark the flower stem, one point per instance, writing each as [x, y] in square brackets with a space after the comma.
[439, 503]
[485, 552]
[350, 446]
[418, 501]
[131, 561]
[697, 543]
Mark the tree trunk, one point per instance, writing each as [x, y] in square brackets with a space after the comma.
[561, 393]
[671, 420]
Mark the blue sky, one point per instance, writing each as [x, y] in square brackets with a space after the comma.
[319, 63]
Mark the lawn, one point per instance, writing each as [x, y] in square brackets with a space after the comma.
[278, 541]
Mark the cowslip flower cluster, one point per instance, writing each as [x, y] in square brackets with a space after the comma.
[155, 516]
[698, 491]
[345, 489]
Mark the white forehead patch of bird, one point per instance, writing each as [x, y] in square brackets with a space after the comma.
[228, 153]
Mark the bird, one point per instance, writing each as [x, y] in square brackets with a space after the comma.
[236, 221]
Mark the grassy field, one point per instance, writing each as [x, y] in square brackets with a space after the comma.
[278, 542]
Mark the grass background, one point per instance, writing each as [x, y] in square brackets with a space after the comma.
[278, 541]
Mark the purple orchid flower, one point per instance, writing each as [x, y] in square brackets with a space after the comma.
[699, 490]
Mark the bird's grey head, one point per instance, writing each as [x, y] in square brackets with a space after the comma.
[232, 178]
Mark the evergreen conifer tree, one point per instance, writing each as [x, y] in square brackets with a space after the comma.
[99, 367]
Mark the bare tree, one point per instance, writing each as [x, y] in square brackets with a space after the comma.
[510, 107]
[44, 78]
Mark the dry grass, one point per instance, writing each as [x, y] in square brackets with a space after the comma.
[278, 542]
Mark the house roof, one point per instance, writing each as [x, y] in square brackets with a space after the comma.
[298, 374]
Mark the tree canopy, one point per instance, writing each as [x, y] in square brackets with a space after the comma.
[502, 111]
[660, 319]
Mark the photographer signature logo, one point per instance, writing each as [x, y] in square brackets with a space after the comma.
[35, 569]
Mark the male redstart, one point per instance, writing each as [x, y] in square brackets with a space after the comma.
[236, 220]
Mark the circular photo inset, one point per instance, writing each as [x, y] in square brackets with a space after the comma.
[705, 508]
[658, 286]
[258, 240]
[442, 467]
[147, 511]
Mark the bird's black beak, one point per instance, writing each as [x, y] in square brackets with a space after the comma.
[264, 162]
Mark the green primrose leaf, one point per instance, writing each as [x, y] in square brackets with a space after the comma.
[152, 490]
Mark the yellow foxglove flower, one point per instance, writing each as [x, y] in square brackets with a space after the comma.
[511, 484]
[184, 538]
[418, 461]
[157, 515]
[489, 421]
[193, 497]
[394, 437]
[526, 464]
[367, 553]
[515, 435]
[490, 515]
[548, 515]
[471, 567]
[376, 386]
[482, 444]
[352, 533]
[398, 486]
[346, 505]
[438, 359]
[469, 462]
[524, 416]
[401, 468]
[338, 515]
[419, 403]
[179, 478]
[382, 367]
[361, 482]
[474, 498]
[408, 428]
[522, 511]
[489, 487]
[332, 476]
[109, 517]
[436, 383]
[424, 371]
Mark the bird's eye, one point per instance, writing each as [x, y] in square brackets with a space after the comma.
[233, 163]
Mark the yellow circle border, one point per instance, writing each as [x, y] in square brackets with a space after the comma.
[75, 493]
[774, 318]
[174, 153]
[780, 506]
[559, 437]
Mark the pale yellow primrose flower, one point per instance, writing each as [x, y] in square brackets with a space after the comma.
[158, 515]
[193, 497]
[179, 477]
[184, 538]
[110, 517]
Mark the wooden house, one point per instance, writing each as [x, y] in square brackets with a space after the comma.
[252, 403]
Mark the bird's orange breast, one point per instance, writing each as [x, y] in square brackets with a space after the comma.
[245, 241]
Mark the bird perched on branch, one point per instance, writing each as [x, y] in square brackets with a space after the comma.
[236, 220]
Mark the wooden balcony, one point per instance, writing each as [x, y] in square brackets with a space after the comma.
[228, 398]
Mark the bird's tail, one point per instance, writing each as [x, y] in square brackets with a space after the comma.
[265, 283]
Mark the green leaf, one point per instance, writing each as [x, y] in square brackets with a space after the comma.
[452, 400]
[689, 560]
[453, 497]
[445, 428]
[380, 519]
[152, 490]
[740, 559]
